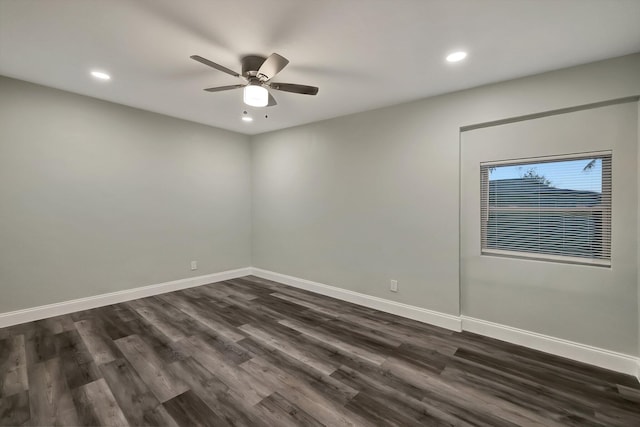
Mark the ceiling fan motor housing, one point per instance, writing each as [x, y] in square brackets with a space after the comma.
[251, 64]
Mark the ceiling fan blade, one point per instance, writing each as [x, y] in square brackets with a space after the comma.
[212, 64]
[272, 66]
[272, 101]
[290, 87]
[221, 88]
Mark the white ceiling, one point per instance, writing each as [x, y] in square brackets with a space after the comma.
[363, 54]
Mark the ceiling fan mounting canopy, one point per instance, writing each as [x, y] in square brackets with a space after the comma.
[251, 64]
[258, 71]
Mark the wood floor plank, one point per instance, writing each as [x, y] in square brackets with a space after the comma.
[247, 286]
[227, 352]
[629, 393]
[124, 313]
[111, 323]
[406, 336]
[14, 381]
[532, 400]
[370, 335]
[227, 288]
[379, 411]
[156, 374]
[576, 385]
[189, 410]
[340, 344]
[199, 312]
[53, 325]
[50, 399]
[435, 387]
[272, 338]
[162, 346]
[15, 409]
[548, 362]
[77, 362]
[382, 389]
[324, 408]
[40, 343]
[282, 412]
[315, 307]
[13, 366]
[279, 309]
[302, 374]
[254, 352]
[251, 311]
[162, 323]
[217, 396]
[241, 385]
[99, 344]
[71, 343]
[138, 404]
[99, 405]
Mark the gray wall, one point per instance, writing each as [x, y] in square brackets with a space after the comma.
[356, 201]
[587, 304]
[97, 197]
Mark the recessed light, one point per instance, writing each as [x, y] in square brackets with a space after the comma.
[100, 75]
[456, 56]
[247, 119]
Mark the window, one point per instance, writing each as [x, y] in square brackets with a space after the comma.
[551, 208]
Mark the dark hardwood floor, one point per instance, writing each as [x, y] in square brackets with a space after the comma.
[254, 352]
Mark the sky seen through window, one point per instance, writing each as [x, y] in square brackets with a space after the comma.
[569, 174]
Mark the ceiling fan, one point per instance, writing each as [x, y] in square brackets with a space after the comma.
[257, 72]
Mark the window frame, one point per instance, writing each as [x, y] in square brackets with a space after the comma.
[606, 206]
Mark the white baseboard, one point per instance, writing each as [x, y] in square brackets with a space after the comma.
[443, 320]
[607, 359]
[66, 307]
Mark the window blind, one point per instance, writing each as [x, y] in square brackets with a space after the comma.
[556, 208]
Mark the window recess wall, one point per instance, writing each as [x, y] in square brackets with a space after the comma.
[581, 303]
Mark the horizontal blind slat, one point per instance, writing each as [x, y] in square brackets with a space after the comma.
[531, 214]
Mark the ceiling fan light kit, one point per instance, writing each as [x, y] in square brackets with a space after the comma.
[257, 73]
[255, 95]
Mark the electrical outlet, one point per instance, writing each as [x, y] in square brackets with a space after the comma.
[393, 286]
[194, 265]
